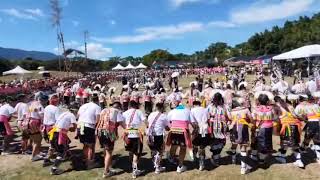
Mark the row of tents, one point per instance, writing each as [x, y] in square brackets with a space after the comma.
[305, 52]
[119, 67]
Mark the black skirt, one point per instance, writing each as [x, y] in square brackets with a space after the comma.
[292, 140]
[239, 134]
[200, 141]
[134, 146]
[264, 140]
[312, 131]
[155, 143]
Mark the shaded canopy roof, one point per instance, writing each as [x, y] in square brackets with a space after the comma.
[17, 70]
[129, 66]
[302, 52]
[141, 66]
[118, 67]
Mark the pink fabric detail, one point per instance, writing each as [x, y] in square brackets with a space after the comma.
[5, 121]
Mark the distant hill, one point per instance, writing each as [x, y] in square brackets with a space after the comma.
[18, 54]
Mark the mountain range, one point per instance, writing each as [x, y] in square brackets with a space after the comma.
[18, 54]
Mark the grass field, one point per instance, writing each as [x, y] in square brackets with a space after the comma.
[21, 167]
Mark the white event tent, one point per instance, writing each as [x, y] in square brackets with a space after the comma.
[118, 67]
[141, 66]
[17, 70]
[305, 52]
[129, 66]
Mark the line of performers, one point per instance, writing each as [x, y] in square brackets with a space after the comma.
[214, 115]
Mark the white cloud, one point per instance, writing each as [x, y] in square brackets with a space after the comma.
[265, 11]
[29, 14]
[178, 3]
[95, 50]
[75, 23]
[154, 33]
[222, 24]
[35, 12]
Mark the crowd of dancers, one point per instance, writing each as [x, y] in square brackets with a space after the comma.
[207, 114]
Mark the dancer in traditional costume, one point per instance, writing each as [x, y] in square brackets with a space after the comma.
[59, 139]
[219, 116]
[199, 117]
[290, 131]
[51, 113]
[135, 94]
[21, 109]
[133, 138]
[310, 112]
[263, 116]
[6, 112]
[192, 94]
[88, 115]
[239, 136]
[147, 96]
[244, 94]
[125, 97]
[206, 93]
[176, 94]
[106, 131]
[179, 135]
[157, 124]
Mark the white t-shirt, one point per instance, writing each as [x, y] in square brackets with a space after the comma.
[179, 114]
[200, 115]
[51, 114]
[6, 110]
[36, 110]
[137, 120]
[88, 113]
[160, 124]
[21, 109]
[65, 120]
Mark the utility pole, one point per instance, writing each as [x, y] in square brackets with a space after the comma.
[86, 36]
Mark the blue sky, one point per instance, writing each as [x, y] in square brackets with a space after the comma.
[135, 27]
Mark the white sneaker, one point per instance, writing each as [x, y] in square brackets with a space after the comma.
[181, 169]
[201, 167]
[280, 159]
[136, 173]
[160, 170]
[243, 171]
[299, 163]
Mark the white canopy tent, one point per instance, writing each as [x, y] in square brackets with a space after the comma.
[303, 52]
[130, 66]
[118, 67]
[141, 66]
[17, 70]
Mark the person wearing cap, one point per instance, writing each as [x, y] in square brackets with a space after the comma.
[179, 134]
[290, 131]
[34, 117]
[263, 118]
[219, 117]
[135, 94]
[310, 112]
[106, 131]
[88, 115]
[156, 126]
[20, 110]
[51, 113]
[125, 97]
[199, 118]
[6, 112]
[239, 135]
[59, 140]
[133, 138]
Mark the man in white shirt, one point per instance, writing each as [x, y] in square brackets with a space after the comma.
[134, 119]
[179, 135]
[51, 113]
[157, 124]
[107, 132]
[88, 115]
[66, 121]
[20, 111]
[6, 112]
[199, 118]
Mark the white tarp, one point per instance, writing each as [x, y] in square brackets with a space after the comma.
[141, 66]
[118, 67]
[130, 66]
[17, 70]
[302, 52]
